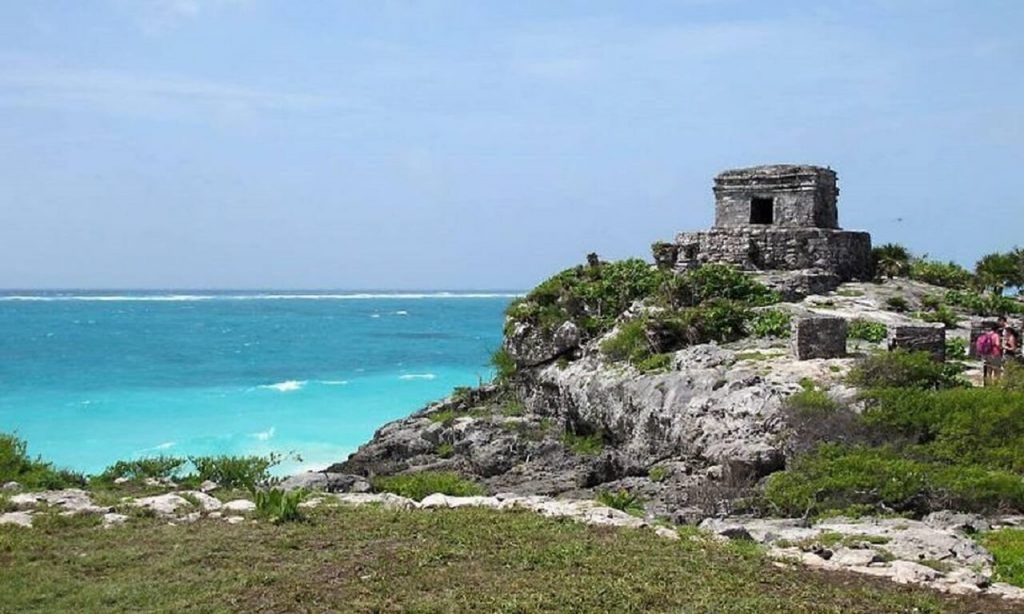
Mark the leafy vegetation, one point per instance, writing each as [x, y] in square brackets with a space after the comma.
[138, 469]
[898, 304]
[17, 466]
[277, 505]
[874, 332]
[769, 323]
[999, 271]
[654, 363]
[504, 366]
[956, 348]
[658, 473]
[943, 315]
[621, 500]
[422, 483]
[945, 274]
[903, 369]
[235, 471]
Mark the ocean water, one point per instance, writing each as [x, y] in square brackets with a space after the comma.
[91, 378]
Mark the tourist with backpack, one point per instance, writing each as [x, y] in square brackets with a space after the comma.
[989, 346]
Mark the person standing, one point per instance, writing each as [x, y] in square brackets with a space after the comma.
[990, 348]
[1009, 340]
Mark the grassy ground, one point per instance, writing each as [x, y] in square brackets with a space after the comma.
[371, 559]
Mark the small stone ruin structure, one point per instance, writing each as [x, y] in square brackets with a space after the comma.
[781, 217]
[819, 337]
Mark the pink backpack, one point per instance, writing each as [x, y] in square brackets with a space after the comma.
[987, 344]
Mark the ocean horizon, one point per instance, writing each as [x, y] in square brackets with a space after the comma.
[89, 377]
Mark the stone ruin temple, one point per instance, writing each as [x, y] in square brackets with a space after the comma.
[780, 217]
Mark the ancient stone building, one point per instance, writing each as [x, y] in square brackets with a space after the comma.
[779, 217]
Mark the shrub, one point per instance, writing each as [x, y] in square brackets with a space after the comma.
[983, 305]
[584, 445]
[235, 471]
[419, 485]
[722, 281]
[769, 323]
[152, 467]
[956, 348]
[868, 331]
[621, 500]
[1013, 377]
[999, 271]
[898, 304]
[277, 505]
[629, 343]
[17, 466]
[903, 369]
[836, 477]
[445, 450]
[655, 362]
[504, 366]
[945, 274]
[657, 473]
[943, 314]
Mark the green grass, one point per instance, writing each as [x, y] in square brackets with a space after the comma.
[1007, 547]
[374, 559]
[622, 500]
[423, 483]
[584, 445]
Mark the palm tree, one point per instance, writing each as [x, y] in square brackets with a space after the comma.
[891, 260]
[996, 272]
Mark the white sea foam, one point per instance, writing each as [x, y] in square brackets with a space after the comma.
[410, 376]
[401, 312]
[256, 297]
[375, 315]
[334, 382]
[286, 386]
[265, 435]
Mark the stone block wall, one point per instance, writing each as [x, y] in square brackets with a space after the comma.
[845, 253]
[803, 196]
[929, 338]
[819, 337]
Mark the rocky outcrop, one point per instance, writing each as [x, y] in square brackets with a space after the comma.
[530, 346]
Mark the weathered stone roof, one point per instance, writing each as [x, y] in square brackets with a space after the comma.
[773, 170]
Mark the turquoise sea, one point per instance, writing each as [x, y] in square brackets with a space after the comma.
[88, 378]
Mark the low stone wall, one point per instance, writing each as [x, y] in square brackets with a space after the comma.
[845, 253]
[929, 338]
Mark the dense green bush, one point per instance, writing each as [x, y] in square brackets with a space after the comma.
[996, 272]
[419, 485]
[874, 332]
[152, 467]
[17, 466]
[983, 304]
[654, 362]
[945, 274]
[769, 323]
[956, 348]
[844, 478]
[628, 343]
[719, 281]
[277, 505]
[584, 445]
[902, 369]
[234, 471]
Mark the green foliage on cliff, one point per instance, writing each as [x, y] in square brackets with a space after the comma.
[1007, 548]
[945, 274]
[591, 295]
[141, 468]
[234, 471]
[17, 466]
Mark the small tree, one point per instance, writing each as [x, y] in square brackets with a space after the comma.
[891, 260]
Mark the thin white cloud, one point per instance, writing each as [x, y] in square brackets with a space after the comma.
[150, 95]
[155, 16]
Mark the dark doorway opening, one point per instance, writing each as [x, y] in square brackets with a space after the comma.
[762, 210]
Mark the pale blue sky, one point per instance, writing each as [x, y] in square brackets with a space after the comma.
[248, 143]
